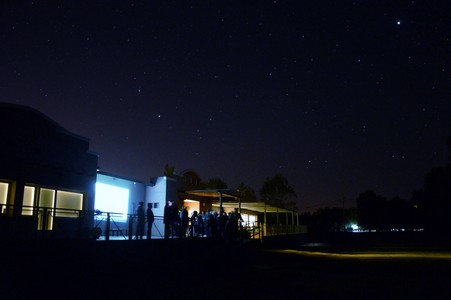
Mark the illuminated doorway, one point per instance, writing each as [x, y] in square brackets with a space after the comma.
[191, 206]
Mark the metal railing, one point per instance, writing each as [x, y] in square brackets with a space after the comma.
[58, 222]
[274, 229]
[253, 229]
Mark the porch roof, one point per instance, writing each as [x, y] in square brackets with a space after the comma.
[231, 199]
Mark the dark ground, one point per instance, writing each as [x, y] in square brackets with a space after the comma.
[202, 269]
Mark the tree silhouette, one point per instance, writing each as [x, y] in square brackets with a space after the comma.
[277, 191]
[437, 199]
[215, 183]
[328, 220]
[247, 193]
[399, 214]
[168, 170]
[371, 208]
[418, 211]
[191, 180]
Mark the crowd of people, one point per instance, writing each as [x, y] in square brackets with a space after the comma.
[215, 224]
[179, 224]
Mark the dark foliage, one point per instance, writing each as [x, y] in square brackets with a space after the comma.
[277, 191]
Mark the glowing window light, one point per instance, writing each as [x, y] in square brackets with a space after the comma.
[252, 219]
[3, 192]
[68, 201]
[28, 200]
[110, 198]
[249, 220]
[46, 200]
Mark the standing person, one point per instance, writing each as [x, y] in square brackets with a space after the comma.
[213, 225]
[184, 219]
[150, 220]
[238, 218]
[195, 224]
[233, 224]
[221, 222]
[170, 218]
[141, 221]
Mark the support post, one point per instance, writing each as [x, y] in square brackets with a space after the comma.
[44, 222]
[107, 227]
[264, 221]
[130, 227]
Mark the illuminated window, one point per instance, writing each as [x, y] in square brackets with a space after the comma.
[249, 220]
[3, 194]
[28, 200]
[46, 200]
[70, 202]
[252, 219]
[112, 199]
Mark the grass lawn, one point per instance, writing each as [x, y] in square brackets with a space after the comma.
[175, 269]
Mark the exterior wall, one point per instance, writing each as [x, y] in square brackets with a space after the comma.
[119, 220]
[157, 194]
[164, 189]
[136, 189]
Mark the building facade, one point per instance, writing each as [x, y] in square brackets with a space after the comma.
[50, 186]
[47, 175]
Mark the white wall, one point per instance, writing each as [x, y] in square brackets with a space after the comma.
[165, 188]
[136, 189]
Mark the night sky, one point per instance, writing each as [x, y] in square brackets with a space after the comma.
[338, 96]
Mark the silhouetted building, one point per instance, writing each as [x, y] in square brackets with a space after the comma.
[47, 175]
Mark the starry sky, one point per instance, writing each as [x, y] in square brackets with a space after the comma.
[338, 96]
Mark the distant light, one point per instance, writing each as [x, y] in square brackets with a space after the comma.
[354, 227]
[398, 23]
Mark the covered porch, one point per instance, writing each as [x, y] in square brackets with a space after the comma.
[260, 219]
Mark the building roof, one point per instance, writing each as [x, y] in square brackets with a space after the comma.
[260, 207]
[231, 199]
[226, 194]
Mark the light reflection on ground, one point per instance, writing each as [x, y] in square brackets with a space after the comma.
[371, 255]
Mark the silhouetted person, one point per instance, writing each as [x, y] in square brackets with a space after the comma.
[184, 220]
[170, 218]
[231, 230]
[150, 220]
[221, 222]
[141, 221]
[213, 225]
[195, 223]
